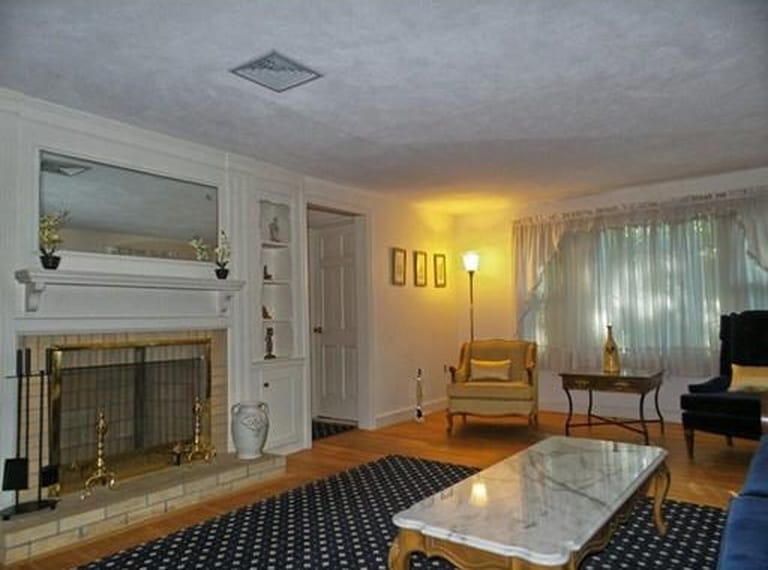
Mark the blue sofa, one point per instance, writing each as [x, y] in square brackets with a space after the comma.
[744, 543]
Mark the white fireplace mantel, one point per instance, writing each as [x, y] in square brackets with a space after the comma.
[36, 281]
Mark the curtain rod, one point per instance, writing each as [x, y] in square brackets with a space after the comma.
[709, 199]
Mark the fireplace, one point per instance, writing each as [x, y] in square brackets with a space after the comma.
[146, 385]
[147, 392]
[134, 499]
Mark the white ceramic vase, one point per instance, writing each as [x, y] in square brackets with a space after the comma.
[250, 425]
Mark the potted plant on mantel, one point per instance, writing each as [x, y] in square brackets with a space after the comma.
[223, 253]
[49, 238]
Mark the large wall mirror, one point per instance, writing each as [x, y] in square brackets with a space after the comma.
[126, 212]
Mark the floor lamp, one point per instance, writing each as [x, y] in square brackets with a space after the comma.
[471, 262]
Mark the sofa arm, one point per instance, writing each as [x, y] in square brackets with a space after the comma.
[717, 384]
[743, 546]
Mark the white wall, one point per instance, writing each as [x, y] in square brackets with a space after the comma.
[409, 327]
[496, 313]
[9, 144]
[26, 127]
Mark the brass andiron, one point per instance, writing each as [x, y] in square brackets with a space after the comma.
[100, 473]
[198, 449]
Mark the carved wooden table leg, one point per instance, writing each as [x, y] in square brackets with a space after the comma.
[405, 543]
[661, 483]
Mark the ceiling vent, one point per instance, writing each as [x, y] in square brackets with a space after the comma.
[276, 72]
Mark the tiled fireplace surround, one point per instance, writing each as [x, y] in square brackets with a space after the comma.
[137, 499]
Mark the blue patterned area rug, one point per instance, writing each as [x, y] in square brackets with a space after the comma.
[344, 521]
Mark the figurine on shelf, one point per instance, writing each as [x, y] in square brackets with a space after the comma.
[265, 314]
[270, 346]
[274, 230]
[267, 274]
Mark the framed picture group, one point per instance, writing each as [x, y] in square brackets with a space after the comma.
[420, 267]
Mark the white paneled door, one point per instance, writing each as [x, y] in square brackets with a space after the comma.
[333, 312]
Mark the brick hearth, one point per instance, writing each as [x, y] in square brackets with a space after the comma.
[131, 502]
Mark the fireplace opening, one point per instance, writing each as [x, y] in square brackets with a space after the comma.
[147, 393]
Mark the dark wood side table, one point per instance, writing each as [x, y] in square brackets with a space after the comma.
[627, 381]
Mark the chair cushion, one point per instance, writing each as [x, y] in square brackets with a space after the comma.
[757, 476]
[489, 369]
[743, 404]
[749, 378]
[491, 390]
[743, 545]
[515, 351]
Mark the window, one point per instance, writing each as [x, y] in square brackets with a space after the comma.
[661, 284]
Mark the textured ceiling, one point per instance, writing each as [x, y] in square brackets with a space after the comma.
[507, 99]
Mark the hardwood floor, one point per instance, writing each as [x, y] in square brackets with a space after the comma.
[717, 470]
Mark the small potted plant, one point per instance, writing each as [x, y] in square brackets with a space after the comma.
[222, 252]
[49, 238]
[223, 255]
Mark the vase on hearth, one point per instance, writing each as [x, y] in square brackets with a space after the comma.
[611, 364]
[250, 426]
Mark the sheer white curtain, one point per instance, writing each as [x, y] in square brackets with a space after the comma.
[661, 275]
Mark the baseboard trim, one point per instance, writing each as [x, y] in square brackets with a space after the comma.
[408, 413]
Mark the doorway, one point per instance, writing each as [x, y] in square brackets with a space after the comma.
[334, 248]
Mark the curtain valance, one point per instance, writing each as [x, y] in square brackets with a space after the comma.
[535, 240]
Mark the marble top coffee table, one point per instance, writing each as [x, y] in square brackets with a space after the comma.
[545, 507]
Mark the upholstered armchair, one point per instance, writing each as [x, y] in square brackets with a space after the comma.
[495, 377]
[721, 405]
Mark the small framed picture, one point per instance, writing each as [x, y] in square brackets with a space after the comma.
[439, 267]
[398, 266]
[420, 268]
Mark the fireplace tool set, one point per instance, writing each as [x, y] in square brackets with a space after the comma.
[16, 470]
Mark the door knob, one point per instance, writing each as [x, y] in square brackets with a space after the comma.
[318, 329]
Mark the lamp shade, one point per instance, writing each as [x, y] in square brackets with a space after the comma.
[471, 261]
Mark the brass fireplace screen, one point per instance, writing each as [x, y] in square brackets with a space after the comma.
[147, 393]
